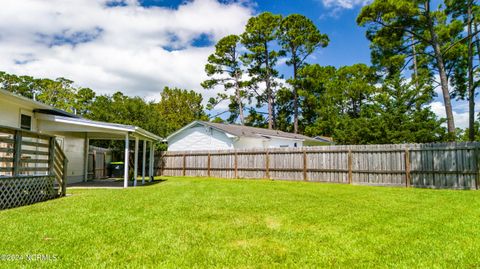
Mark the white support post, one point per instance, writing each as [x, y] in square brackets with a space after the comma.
[135, 165]
[144, 160]
[152, 156]
[86, 149]
[125, 171]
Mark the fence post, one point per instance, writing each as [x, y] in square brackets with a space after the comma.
[17, 154]
[105, 164]
[407, 168]
[51, 157]
[305, 165]
[235, 164]
[184, 164]
[209, 163]
[267, 165]
[477, 158]
[94, 165]
[350, 172]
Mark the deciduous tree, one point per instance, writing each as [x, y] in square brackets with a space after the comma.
[179, 107]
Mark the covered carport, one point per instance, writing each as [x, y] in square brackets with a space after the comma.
[95, 130]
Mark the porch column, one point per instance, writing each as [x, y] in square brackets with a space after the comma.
[135, 165]
[87, 149]
[125, 171]
[152, 156]
[144, 159]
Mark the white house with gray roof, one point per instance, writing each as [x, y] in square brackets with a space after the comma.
[201, 135]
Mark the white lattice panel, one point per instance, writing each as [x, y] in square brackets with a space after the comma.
[19, 191]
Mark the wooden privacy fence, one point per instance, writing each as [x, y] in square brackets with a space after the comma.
[98, 161]
[442, 165]
[32, 168]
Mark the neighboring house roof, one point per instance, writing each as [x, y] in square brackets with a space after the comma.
[49, 113]
[244, 131]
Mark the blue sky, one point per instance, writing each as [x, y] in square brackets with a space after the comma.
[141, 46]
[348, 44]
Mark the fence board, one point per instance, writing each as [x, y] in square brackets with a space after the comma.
[443, 165]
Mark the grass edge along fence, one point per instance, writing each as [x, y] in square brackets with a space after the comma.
[437, 165]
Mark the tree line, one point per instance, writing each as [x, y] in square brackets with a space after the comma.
[415, 48]
[253, 75]
[176, 108]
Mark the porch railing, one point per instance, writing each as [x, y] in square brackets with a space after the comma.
[32, 167]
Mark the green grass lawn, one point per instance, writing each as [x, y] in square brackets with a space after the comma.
[187, 222]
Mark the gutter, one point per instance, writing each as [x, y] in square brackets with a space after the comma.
[148, 134]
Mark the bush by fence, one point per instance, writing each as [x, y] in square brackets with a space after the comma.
[446, 165]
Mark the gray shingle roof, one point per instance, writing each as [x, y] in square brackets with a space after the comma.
[247, 131]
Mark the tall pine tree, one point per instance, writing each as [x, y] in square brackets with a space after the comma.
[299, 38]
[259, 39]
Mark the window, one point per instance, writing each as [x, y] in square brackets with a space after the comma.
[295, 145]
[284, 146]
[26, 122]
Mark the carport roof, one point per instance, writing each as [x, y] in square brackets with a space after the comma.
[98, 129]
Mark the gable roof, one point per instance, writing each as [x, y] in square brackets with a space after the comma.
[244, 131]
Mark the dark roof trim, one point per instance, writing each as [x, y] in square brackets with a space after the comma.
[56, 112]
[323, 139]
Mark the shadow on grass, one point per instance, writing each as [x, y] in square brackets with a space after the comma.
[113, 183]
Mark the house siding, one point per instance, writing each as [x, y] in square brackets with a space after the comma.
[74, 148]
[249, 142]
[288, 143]
[200, 138]
[73, 143]
[11, 112]
[252, 142]
[205, 138]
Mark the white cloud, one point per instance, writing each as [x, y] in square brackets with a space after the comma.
[131, 48]
[344, 4]
[460, 113]
[460, 107]
[335, 7]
